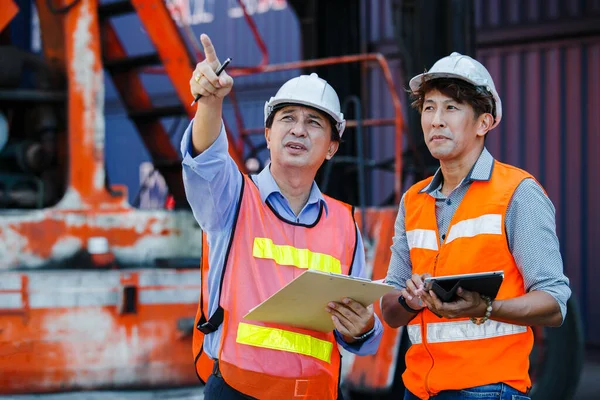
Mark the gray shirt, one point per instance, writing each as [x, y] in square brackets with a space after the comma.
[530, 227]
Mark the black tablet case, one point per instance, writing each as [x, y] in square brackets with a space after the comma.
[486, 286]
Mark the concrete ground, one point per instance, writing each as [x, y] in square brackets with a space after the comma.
[166, 394]
[589, 383]
[588, 389]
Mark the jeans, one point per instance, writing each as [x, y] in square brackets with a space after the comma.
[496, 391]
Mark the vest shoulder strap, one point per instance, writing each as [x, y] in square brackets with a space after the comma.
[216, 319]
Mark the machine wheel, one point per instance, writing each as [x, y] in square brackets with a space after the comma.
[557, 358]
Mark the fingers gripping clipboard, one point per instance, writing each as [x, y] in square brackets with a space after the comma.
[301, 303]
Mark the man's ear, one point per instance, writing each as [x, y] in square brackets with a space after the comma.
[333, 148]
[268, 136]
[484, 124]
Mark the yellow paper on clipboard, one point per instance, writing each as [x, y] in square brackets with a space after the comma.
[301, 303]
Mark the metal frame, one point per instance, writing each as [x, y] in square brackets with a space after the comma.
[54, 236]
[381, 62]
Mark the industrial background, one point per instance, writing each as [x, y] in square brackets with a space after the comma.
[99, 253]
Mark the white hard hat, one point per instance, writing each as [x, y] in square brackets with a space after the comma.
[312, 91]
[462, 67]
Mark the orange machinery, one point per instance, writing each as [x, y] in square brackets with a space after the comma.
[93, 292]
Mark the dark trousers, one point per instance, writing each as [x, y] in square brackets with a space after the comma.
[217, 389]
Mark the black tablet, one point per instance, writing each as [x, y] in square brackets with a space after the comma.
[484, 283]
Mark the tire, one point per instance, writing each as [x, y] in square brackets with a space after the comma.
[557, 358]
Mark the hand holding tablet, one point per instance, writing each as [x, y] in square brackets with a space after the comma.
[484, 283]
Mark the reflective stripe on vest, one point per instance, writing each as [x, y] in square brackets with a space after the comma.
[422, 239]
[456, 331]
[279, 339]
[414, 333]
[299, 258]
[490, 224]
[441, 332]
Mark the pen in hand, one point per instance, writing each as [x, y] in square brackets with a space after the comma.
[218, 72]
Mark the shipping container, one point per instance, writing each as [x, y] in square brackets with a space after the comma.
[545, 60]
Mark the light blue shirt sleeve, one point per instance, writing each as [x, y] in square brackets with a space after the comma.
[370, 345]
[212, 185]
[212, 182]
[400, 268]
[531, 230]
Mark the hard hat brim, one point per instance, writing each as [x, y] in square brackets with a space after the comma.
[416, 82]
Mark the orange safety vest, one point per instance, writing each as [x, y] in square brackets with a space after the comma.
[266, 360]
[454, 354]
[202, 363]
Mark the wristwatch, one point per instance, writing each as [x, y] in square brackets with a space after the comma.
[404, 304]
[364, 336]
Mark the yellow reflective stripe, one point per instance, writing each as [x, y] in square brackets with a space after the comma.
[278, 339]
[300, 258]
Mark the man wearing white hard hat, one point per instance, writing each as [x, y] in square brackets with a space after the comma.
[475, 215]
[263, 231]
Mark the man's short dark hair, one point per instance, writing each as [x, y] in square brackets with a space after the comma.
[478, 97]
[335, 136]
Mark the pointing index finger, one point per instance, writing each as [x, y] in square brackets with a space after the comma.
[209, 49]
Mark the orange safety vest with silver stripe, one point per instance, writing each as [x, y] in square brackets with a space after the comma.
[266, 360]
[449, 354]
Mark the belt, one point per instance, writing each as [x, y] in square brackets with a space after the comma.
[216, 371]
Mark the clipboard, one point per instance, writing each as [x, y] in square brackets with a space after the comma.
[301, 303]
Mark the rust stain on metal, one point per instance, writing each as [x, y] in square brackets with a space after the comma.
[87, 72]
[134, 236]
[32, 239]
[72, 336]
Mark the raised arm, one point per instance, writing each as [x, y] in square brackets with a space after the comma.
[211, 178]
[213, 89]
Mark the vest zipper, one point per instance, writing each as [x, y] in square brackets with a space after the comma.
[424, 336]
[424, 341]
